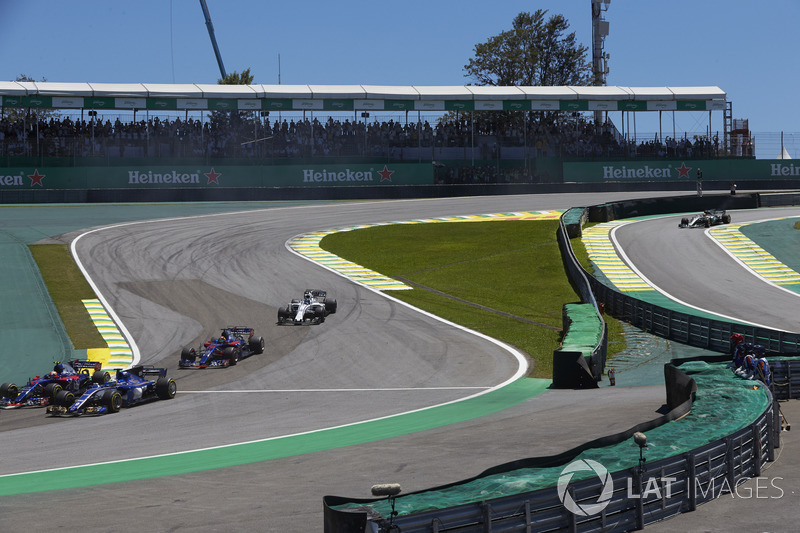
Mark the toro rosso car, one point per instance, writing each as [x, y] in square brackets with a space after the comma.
[130, 387]
[65, 381]
[706, 219]
[314, 307]
[234, 344]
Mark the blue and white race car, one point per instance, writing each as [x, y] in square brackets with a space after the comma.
[127, 388]
[234, 344]
[68, 379]
[313, 308]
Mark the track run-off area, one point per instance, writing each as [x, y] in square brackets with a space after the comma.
[379, 392]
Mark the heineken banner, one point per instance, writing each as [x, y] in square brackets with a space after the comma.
[713, 170]
[178, 176]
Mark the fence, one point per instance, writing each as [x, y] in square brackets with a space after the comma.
[676, 485]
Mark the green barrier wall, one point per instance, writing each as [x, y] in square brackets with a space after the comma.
[681, 170]
[198, 176]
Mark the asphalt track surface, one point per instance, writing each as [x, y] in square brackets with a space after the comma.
[708, 277]
[174, 282]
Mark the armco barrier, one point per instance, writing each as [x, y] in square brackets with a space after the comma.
[570, 368]
[694, 477]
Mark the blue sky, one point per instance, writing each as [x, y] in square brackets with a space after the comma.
[748, 49]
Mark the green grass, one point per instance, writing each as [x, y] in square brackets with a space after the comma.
[67, 288]
[511, 267]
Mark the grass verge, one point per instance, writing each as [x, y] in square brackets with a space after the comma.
[504, 279]
[67, 287]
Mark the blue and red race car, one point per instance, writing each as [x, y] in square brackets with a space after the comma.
[234, 344]
[66, 380]
[127, 388]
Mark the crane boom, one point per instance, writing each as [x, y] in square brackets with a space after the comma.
[210, 27]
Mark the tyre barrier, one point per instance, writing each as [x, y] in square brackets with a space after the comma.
[694, 477]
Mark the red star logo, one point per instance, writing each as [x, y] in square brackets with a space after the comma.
[213, 177]
[386, 174]
[36, 178]
[683, 171]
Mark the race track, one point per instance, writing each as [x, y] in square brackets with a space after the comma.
[688, 265]
[173, 282]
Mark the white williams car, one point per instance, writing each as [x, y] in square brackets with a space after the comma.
[313, 308]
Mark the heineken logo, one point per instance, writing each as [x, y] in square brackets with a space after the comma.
[347, 174]
[172, 177]
[779, 170]
[611, 172]
[11, 181]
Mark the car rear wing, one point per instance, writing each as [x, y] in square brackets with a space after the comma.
[83, 364]
[143, 371]
[239, 330]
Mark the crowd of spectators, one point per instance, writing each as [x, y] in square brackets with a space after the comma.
[487, 137]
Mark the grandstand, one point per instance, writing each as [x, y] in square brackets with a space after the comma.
[471, 134]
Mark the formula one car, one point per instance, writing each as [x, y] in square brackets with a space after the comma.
[225, 350]
[63, 383]
[706, 219]
[314, 307]
[128, 388]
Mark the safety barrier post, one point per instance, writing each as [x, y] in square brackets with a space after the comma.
[692, 481]
[756, 440]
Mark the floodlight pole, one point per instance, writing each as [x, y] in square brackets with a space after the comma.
[600, 28]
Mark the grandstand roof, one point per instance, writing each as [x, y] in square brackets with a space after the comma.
[197, 96]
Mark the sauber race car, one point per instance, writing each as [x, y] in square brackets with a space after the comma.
[706, 219]
[314, 307]
[65, 381]
[136, 385]
[234, 344]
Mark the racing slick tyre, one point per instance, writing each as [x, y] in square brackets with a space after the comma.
[64, 398]
[707, 223]
[684, 223]
[166, 388]
[231, 355]
[256, 345]
[283, 315]
[51, 390]
[188, 354]
[9, 390]
[100, 377]
[113, 400]
[330, 306]
[319, 316]
[726, 219]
